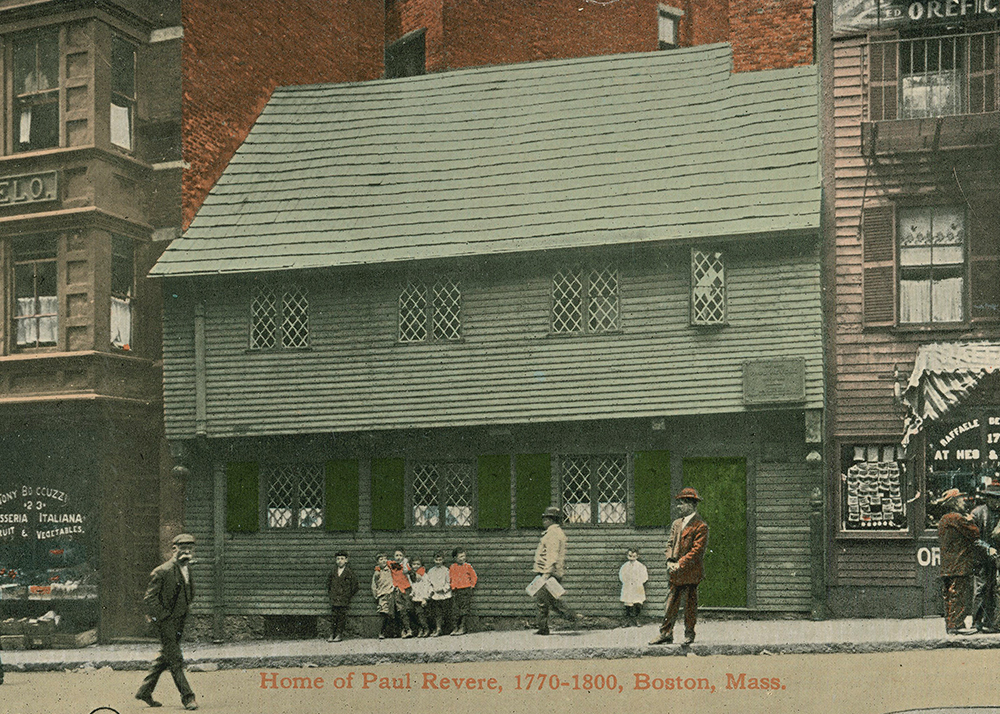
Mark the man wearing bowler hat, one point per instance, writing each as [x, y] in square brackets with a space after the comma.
[550, 562]
[685, 563]
[168, 597]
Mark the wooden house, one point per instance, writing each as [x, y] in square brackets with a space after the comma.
[415, 313]
[914, 262]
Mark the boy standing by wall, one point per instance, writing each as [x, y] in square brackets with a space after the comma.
[439, 580]
[382, 591]
[341, 585]
[463, 582]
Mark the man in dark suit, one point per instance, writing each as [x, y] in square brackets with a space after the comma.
[686, 564]
[341, 585]
[168, 597]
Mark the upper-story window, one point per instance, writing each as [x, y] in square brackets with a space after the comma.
[935, 265]
[594, 489]
[585, 301]
[122, 291]
[430, 312]
[708, 288]
[122, 92]
[669, 19]
[36, 301]
[36, 91]
[931, 264]
[932, 76]
[279, 317]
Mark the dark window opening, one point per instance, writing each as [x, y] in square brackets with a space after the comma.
[36, 92]
[406, 57]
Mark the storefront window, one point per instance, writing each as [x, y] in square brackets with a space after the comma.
[962, 453]
[873, 481]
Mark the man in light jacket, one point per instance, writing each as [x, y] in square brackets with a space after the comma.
[550, 562]
[686, 564]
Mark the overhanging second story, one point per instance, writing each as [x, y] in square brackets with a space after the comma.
[615, 237]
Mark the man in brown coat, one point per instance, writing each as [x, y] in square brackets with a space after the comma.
[167, 599]
[957, 535]
[686, 564]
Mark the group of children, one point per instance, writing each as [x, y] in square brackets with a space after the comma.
[413, 601]
[418, 602]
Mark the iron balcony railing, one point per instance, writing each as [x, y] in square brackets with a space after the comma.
[925, 77]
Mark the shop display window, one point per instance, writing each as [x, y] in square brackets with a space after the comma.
[873, 488]
[963, 453]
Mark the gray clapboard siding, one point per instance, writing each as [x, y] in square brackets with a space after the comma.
[508, 368]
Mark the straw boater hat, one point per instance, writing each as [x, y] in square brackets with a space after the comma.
[948, 496]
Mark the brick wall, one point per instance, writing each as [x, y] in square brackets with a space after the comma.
[771, 34]
[233, 58]
[402, 16]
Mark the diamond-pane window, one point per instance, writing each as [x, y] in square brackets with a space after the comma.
[446, 488]
[279, 317]
[585, 301]
[447, 310]
[434, 313]
[295, 495]
[295, 318]
[708, 288]
[413, 313]
[602, 301]
[594, 489]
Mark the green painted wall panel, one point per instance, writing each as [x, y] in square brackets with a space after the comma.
[242, 500]
[652, 489]
[342, 495]
[388, 494]
[534, 488]
[494, 491]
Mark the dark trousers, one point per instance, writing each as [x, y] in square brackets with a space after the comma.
[419, 614]
[441, 614]
[957, 593]
[632, 612]
[171, 659]
[690, 595]
[984, 607]
[338, 619]
[547, 602]
[461, 605]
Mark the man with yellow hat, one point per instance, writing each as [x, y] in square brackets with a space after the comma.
[686, 564]
[958, 537]
[167, 599]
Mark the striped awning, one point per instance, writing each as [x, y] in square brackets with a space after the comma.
[943, 375]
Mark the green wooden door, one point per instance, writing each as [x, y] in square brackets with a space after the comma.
[722, 485]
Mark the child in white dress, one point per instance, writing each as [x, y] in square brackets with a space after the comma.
[633, 575]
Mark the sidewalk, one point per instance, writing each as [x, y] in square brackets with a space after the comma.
[722, 637]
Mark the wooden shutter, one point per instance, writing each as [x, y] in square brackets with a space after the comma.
[984, 258]
[342, 495]
[878, 227]
[652, 488]
[493, 492]
[883, 76]
[534, 488]
[242, 499]
[388, 505]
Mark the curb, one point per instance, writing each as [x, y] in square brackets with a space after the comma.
[207, 664]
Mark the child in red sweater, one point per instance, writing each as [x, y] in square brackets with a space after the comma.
[463, 582]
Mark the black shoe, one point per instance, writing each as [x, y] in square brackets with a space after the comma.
[688, 639]
[150, 702]
[662, 640]
[542, 631]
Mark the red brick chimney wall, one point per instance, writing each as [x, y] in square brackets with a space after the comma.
[771, 34]
[235, 53]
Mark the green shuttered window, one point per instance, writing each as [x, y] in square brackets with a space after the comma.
[388, 494]
[534, 493]
[242, 501]
[494, 491]
[652, 489]
[342, 495]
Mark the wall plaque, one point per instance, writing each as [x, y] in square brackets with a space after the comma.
[774, 381]
[29, 188]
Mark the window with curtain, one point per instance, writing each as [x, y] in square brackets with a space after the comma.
[442, 493]
[594, 488]
[36, 298]
[36, 91]
[122, 291]
[931, 264]
[122, 92]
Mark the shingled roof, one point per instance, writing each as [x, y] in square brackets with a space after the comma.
[606, 150]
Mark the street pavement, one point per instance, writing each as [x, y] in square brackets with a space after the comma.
[715, 637]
